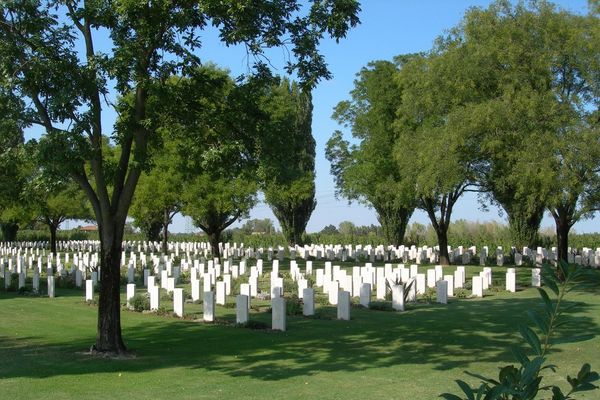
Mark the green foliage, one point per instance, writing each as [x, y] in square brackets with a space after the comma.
[293, 305]
[287, 156]
[54, 75]
[366, 172]
[258, 226]
[381, 306]
[140, 302]
[524, 382]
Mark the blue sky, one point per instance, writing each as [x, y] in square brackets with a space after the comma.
[388, 28]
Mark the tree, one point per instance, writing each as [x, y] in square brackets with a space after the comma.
[504, 48]
[212, 122]
[536, 112]
[258, 226]
[573, 69]
[54, 203]
[13, 164]
[215, 202]
[433, 153]
[367, 172]
[329, 230]
[64, 85]
[287, 157]
[158, 196]
[347, 228]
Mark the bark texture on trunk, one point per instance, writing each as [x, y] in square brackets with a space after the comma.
[53, 228]
[214, 238]
[108, 337]
[442, 235]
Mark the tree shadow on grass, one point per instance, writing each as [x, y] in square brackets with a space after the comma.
[444, 337]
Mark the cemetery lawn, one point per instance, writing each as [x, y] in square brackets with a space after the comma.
[416, 354]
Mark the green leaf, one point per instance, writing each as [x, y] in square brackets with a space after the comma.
[547, 301]
[483, 378]
[520, 355]
[450, 396]
[532, 338]
[557, 394]
[572, 339]
[466, 389]
[531, 371]
[539, 321]
[584, 371]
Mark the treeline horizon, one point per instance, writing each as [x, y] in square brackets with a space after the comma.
[461, 233]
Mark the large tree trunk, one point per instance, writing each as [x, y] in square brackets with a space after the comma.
[108, 338]
[562, 237]
[165, 231]
[393, 223]
[9, 231]
[214, 238]
[442, 235]
[53, 228]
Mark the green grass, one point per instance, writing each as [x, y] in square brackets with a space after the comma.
[416, 354]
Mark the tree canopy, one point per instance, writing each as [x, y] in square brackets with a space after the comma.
[367, 171]
[286, 156]
[52, 61]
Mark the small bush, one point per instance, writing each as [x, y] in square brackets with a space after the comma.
[429, 295]
[23, 290]
[258, 325]
[461, 293]
[140, 302]
[381, 305]
[162, 310]
[322, 299]
[65, 282]
[293, 305]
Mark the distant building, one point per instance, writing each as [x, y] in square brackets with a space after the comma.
[88, 228]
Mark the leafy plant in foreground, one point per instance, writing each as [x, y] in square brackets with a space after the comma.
[524, 382]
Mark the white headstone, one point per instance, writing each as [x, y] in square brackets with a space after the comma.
[398, 297]
[220, 293]
[278, 314]
[195, 286]
[365, 295]
[130, 293]
[178, 302]
[477, 286]
[51, 286]
[308, 301]
[209, 306]
[442, 291]
[154, 297]
[241, 309]
[343, 306]
[536, 278]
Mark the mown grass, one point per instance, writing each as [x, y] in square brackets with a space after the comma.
[416, 354]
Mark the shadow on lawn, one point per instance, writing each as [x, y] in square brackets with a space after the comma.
[445, 337]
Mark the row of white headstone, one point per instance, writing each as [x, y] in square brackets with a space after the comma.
[419, 255]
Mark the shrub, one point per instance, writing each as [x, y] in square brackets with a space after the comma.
[250, 324]
[381, 306]
[140, 302]
[461, 293]
[293, 305]
[65, 282]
